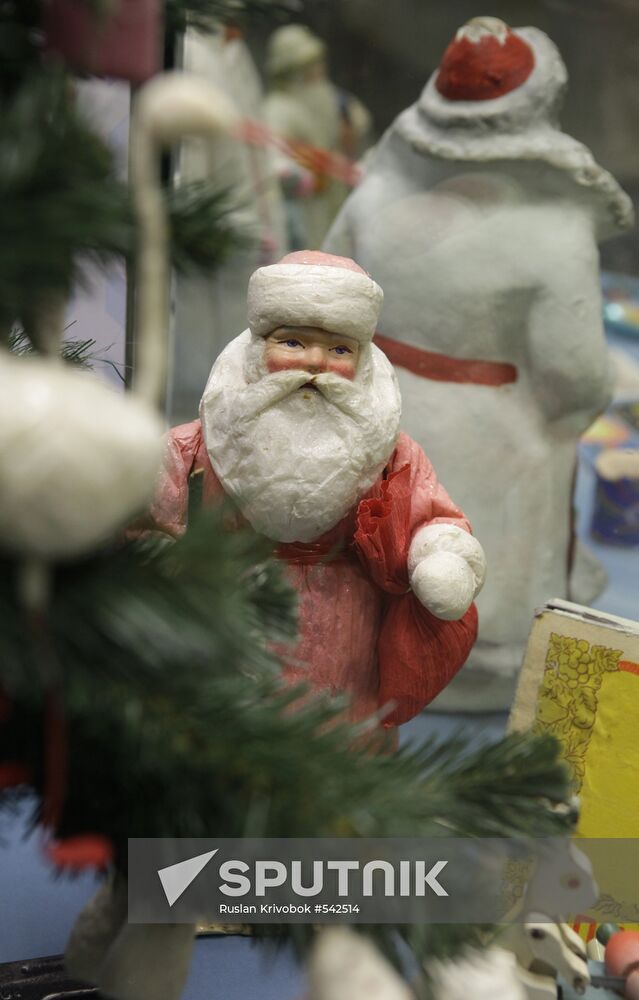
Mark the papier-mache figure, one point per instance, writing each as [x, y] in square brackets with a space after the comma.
[305, 107]
[299, 429]
[210, 307]
[481, 219]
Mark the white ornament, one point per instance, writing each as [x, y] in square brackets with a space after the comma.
[545, 949]
[169, 107]
[78, 459]
[483, 975]
[128, 961]
[345, 966]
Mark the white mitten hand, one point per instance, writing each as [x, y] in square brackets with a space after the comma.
[446, 568]
[443, 583]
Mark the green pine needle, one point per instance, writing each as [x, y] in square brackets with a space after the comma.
[203, 231]
[176, 719]
[59, 197]
[178, 724]
[187, 622]
[80, 353]
[62, 205]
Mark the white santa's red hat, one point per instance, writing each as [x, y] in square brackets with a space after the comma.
[310, 288]
[484, 61]
[496, 96]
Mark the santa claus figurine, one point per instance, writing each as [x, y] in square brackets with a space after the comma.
[317, 118]
[481, 220]
[299, 429]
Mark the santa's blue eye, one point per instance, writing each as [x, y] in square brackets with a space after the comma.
[342, 350]
[291, 343]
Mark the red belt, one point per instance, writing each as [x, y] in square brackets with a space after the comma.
[311, 554]
[442, 368]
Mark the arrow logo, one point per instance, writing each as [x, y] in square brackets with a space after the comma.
[177, 878]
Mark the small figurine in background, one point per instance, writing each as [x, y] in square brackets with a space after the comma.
[481, 220]
[305, 107]
[210, 307]
[299, 428]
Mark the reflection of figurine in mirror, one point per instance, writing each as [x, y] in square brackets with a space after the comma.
[300, 429]
[209, 307]
[305, 107]
[481, 220]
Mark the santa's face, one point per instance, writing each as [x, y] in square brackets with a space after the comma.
[310, 349]
[297, 461]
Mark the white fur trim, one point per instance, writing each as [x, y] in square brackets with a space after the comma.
[532, 101]
[434, 538]
[483, 27]
[332, 298]
[519, 125]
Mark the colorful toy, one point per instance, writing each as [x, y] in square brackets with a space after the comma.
[299, 428]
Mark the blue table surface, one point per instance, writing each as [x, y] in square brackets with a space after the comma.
[37, 909]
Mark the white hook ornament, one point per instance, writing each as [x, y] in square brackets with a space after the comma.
[78, 458]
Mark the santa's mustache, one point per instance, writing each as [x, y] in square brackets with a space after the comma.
[350, 397]
[275, 387]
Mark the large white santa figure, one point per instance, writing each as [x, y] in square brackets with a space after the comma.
[299, 428]
[481, 219]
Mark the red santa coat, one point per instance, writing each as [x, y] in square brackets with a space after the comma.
[362, 630]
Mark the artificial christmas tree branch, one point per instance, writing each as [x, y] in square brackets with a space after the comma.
[170, 643]
[62, 203]
[209, 14]
[175, 720]
[58, 180]
[75, 352]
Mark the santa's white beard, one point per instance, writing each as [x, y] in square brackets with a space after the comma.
[294, 459]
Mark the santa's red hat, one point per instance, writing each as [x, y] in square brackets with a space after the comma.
[484, 61]
[310, 288]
